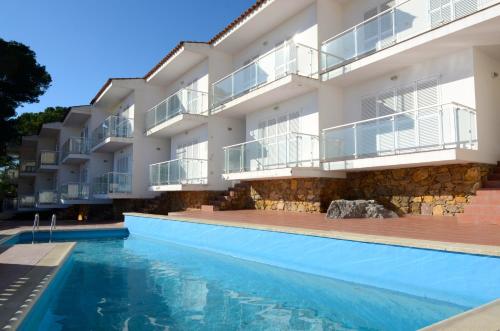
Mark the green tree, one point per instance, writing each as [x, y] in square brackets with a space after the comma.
[29, 123]
[22, 80]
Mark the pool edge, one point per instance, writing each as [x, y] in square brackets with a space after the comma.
[451, 247]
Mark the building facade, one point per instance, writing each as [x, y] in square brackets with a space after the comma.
[298, 102]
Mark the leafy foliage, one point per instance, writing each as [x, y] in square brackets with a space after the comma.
[29, 123]
[22, 80]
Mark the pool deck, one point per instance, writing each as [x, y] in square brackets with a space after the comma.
[432, 232]
[25, 272]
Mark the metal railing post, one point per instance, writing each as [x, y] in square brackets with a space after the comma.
[355, 141]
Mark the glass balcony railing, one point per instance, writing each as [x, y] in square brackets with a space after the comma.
[112, 182]
[48, 197]
[26, 201]
[185, 101]
[49, 158]
[426, 129]
[282, 151]
[290, 58]
[180, 171]
[75, 145]
[9, 204]
[399, 23]
[113, 126]
[27, 166]
[75, 191]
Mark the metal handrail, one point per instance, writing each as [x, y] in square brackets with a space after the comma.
[52, 226]
[398, 114]
[36, 226]
[179, 159]
[267, 138]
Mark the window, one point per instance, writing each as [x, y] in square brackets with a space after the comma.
[421, 94]
[123, 164]
[189, 150]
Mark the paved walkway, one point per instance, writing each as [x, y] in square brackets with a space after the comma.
[445, 229]
[25, 271]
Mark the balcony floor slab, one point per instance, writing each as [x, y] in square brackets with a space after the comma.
[285, 88]
[292, 172]
[419, 159]
[177, 124]
[75, 159]
[111, 144]
[178, 187]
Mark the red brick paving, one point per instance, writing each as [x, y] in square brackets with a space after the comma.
[436, 228]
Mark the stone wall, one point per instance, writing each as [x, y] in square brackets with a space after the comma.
[178, 201]
[311, 195]
[440, 190]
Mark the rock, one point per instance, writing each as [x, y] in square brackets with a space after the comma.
[343, 209]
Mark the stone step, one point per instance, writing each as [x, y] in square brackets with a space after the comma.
[492, 184]
[494, 176]
[486, 209]
[209, 208]
[478, 219]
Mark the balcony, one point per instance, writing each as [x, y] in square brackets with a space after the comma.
[48, 161]
[407, 20]
[282, 156]
[112, 184]
[75, 151]
[74, 192]
[113, 134]
[27, 168]
[178, 175]
[180, 112]
[283, 73]
[432, 135]
[26, 202]
[47, 199]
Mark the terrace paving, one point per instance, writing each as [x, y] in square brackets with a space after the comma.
[433, 232]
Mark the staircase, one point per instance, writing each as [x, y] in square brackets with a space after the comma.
[234, 198]
[485, 206]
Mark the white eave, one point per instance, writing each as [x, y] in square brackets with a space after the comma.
[50, 129]
[116, 91]
[189, 55]
[77, 116]
[265, 19]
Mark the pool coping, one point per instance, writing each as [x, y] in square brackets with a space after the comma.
[59, 256]
[485, 317]
[453, 247]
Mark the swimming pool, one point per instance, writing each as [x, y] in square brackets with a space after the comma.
[144, 284]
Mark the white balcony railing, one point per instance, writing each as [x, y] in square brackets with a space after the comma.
[75, 145]
[113, 126]
[399, 23]
[282, 151]
[26, 201]
[47, 197]
[180, 171]
[112, 182]
[425, 129]
[290, 58]
[185, 101]
[28, 166]
[75, 191]
[49, 158]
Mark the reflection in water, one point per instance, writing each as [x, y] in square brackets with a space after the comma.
[139, 284]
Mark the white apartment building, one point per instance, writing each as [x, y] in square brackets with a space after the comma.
[290, 89]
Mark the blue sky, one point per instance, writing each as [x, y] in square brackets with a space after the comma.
[83, 42]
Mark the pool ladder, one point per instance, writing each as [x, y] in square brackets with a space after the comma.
[52, 226]
[36, 226]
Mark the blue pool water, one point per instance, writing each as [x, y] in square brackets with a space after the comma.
[144, 284]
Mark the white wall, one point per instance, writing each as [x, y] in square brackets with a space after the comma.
[306, 105]
[487, 92]
[301, 27]
[454, 72]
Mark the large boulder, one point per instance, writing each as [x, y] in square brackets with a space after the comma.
[342, 209]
